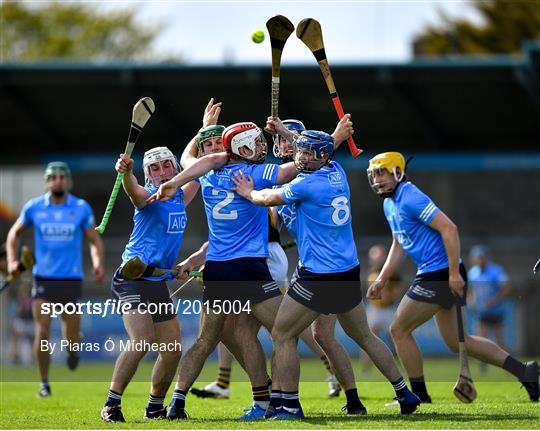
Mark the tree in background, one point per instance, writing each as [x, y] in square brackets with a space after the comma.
[73, 31]
[506, 24]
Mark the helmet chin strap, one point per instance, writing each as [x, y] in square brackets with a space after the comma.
[391, 194]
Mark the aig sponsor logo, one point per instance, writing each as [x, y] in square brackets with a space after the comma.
[403, 238]
[177, 223]
[58, 231]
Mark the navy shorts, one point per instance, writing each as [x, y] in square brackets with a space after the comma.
[246, 279]
[61, 291]
[332, 293]
[491, 319]
[140, 293]
[432, 287]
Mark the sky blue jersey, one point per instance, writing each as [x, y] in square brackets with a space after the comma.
[158, 232]
[237, 228]
[409, 213]
[486, 283]
[58, 235]
[324, 233]
[287, 214]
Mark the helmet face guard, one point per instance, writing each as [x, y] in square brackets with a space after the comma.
[293, 126]
[207, 133]
[157, 155]
[58, 168]
[317, 145]
[246, 137]
[391, 162]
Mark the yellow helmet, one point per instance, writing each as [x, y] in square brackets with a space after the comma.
[389, 161]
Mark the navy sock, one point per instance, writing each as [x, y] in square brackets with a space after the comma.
[290, 400]
[276, 399]
[400, 387]
[512, 365]
[179, 399]
[155, 403]
[418, 386]
[113, 398]
[352, 397]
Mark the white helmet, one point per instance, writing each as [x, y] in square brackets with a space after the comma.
[156, 155]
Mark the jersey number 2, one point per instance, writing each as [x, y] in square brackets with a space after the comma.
[216, 211]
[341, 210]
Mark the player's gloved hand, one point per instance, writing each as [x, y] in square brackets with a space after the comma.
[374, 291]
[211, 113]
[344, 129]
[165, 192]
[99, 273]
[124, 164]
[457, 285]
[244, 185]
[14, 268]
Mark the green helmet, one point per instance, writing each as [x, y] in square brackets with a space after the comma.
[208, 133]
[57, 168]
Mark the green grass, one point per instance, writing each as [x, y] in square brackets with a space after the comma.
[501, 404]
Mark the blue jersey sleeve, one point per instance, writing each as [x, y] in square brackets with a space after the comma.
[295, 191]
[419, 206]
[264, 175]
[27, 214]
[88, 219]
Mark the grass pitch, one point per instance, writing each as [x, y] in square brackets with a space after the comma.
[501, 404]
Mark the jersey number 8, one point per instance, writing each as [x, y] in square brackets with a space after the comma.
[341, 212]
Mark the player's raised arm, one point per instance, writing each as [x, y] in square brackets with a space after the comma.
[264, 197]
[344, 130]
[210, 118]
[196, 170]
[136, 193]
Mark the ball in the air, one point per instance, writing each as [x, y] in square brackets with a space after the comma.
[257, 36]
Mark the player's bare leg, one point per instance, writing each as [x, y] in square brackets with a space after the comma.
[333, 384]
[193, 361]
[227, 349]
[139, 327]
[291, 320]
[71, 330]
[323, 329]
[168, 333]
[324, 333]
[42, 324]
[486, 350]
[355, 325]
[410, 314]
[254, 360]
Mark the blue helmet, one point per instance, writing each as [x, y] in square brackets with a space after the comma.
[321, 143]
[293, 126]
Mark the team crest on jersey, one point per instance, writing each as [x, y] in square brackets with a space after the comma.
[58, 231]
[335, 178]
[177, 223]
